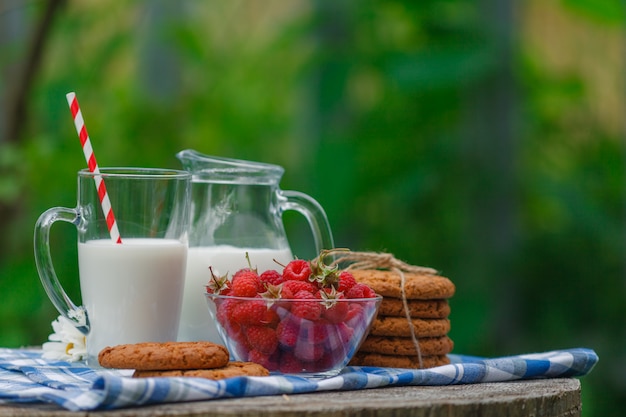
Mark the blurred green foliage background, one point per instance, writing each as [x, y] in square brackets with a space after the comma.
[484, 139]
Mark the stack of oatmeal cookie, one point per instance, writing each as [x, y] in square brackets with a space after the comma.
[391, 341]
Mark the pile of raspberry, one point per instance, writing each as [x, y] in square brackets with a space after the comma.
[308, 319]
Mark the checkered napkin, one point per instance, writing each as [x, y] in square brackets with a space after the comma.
[27, 378]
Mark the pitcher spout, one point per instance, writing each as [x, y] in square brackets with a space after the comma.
[215, 168]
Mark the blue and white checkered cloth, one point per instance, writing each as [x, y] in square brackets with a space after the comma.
[27, 378]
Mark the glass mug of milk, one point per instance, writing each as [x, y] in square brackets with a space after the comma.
[236, 209]
[131, 291]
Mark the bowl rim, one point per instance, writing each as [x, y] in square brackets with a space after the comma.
[274, 300]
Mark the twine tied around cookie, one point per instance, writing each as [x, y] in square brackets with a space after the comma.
[377, 260]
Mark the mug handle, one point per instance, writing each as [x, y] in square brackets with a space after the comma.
[43, 260]
[314, 214]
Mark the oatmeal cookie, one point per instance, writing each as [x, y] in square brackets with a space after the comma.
[417, 286]
[164, 356]
[397, 361]
[231, 370]
[429, 346]
[399, 326]
[422, 309]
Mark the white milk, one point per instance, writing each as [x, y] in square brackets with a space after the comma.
[132, 291]
[195, 323]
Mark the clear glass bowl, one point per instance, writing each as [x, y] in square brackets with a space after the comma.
[312, 338]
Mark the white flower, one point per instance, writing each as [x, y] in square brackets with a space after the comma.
[67, 343]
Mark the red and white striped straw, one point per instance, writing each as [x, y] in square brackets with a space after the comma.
[105, 203]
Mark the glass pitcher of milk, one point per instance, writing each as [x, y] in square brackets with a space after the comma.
[236, 208]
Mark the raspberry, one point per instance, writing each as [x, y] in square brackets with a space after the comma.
[224, 309]
[335, 304]
[269, 362]
[346, 281]
[240, 346]
[355, 311]
[298, 269]
[336, 341]
[271, 276]
[337, 312]
[307, 306]
[249, 313]
[242, 271]
[218, 284]
[239, 350]
[289, 364]
[236, 332]
[345, 333]
[312, 333]
[292, 287]
[244, 288]
[287, 294]
[262, 339]
[287, 333]
[308, 352]
[326, 362]
[360, 291]
[270, 318]
[245, 284]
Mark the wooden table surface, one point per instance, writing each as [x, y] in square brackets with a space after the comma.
[537, 398]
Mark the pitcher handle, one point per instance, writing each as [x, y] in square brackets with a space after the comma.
[45, 268]
[314, 214]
